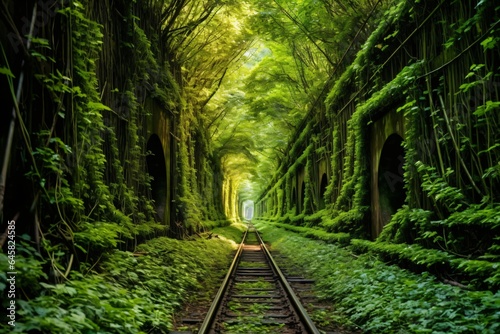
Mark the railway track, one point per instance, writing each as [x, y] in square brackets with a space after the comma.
[255, 296]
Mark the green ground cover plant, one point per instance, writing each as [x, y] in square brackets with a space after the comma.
[249, 264]
[382, 298]
[255, 308]
[232, 232]
[315, 233]
[259, 284]
[252, 325]
[127, 292]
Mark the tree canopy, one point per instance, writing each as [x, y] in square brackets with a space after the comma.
[290, 49]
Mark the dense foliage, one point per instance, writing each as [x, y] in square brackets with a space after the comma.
[247, 100]
[382, 298]
[298, 47]
[434, 67]
[127, 292]
[80, 181]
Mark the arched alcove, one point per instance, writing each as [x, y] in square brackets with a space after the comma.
[155, 161]
[390, 178]
[322, 189]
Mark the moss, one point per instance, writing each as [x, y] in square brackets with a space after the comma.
[480, 274]
[313, 233]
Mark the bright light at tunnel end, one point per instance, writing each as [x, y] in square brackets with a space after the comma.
[248, 209]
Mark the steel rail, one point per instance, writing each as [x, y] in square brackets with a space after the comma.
[301, 311]
[214, 308]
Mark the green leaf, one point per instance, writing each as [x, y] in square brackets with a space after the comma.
[97, 106]
[6, 71]
[37, 55]
[489, 43]
[488, 107]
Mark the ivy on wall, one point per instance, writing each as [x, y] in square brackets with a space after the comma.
[449, 98]
[97, 79]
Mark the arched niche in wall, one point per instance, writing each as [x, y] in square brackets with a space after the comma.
[155, 161]
[390, 178]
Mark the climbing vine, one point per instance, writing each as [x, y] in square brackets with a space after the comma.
[449, 99]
